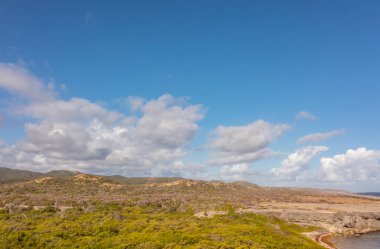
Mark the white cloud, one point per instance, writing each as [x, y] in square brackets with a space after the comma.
[318, 137]
[297, 162]
[355, 165]
[78, 134]
[246, 139]
[234, 169]
[19, 81]
[242, 144]
[72, 110]
[238, 171]
[303, 115]
[168, 122]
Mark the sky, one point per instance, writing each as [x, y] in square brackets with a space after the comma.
[280, 93]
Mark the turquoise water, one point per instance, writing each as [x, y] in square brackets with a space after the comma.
[365, 241]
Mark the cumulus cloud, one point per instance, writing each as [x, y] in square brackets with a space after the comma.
[355, 165]
[236, 171]
[239, 169]
[297, 162]
[244, 144]
[303, 115]
[78, 134]
[19, 81]
[72, 110]
[318, 137]
[168, 122]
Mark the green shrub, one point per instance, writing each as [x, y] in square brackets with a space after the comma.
[148, 226]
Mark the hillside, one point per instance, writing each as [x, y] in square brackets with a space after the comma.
[8, 175]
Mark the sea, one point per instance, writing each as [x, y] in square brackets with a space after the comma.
[377, 194]
[365, 241]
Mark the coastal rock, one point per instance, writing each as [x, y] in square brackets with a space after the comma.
[341, 223]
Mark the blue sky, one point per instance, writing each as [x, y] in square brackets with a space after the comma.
[243, 61]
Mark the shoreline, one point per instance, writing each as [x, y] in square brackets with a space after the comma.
[324, 239]
[321, 238]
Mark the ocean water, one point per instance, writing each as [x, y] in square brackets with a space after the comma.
[365, 241]
[370, 193]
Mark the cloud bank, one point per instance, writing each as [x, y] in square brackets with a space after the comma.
[78, 134]
[155, 136]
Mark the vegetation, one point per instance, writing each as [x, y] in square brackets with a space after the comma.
[63, 209]
[125, 225]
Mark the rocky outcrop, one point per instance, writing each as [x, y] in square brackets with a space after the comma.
[333, 222]
[340, 223]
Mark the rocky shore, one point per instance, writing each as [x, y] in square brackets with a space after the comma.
[337, 223]
[333, 219]
[332, 223]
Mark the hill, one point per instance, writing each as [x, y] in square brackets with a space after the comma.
[8, 175]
